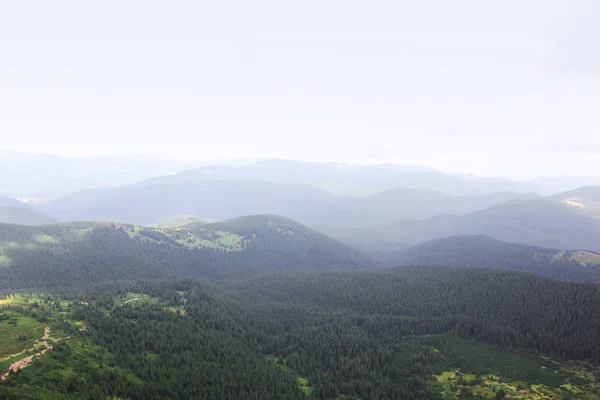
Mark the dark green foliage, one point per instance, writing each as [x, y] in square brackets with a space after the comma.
[87, 253]
[510, 309]
[362, 334]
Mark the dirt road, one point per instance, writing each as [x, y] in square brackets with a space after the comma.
[22, 363]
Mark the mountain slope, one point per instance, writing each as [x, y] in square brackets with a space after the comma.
[86, 253]
[549, 186]
[418, 203]
[23, 216]
[8, 202]
[482, 251]
[585, 200]
[143, 205]
[537, 223]
[16, 212]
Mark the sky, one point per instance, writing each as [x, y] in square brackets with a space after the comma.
[507, 88]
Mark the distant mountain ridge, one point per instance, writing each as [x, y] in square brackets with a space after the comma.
[178, 221]
[149, 201]
[9, 202]
[345, 179]
[540, 223]
[417, 203]
[482, 251]
[23, 216]
[45, 177]
[585, 200]
[16, 212]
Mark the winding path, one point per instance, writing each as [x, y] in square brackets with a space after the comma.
[22, 363]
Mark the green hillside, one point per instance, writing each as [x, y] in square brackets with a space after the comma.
[585, 200]
[84, 253]
[23, 216]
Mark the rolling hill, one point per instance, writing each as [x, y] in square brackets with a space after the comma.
[536, 222]
[149, 201]
[79, 254]
[585, 200]
[551, 185]
[400, 203]
[485, 252]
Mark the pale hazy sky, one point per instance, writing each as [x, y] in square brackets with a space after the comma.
[506, 88]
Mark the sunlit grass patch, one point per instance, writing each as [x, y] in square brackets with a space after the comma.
[45, 239]
[18, 333]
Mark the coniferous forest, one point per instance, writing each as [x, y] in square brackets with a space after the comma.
[382, 334]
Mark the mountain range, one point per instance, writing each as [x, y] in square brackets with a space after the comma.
[425, 205]
[41, 178]
[536, 222]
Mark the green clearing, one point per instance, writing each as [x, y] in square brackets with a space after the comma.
[66, 370]
[45, 239]
[456, 385]
[211, 239]
[473, 370]
[17, 333]
[139, 300]
[276, 228]
[198, 239]
[303, 383]
[4, 259]
[134, 299]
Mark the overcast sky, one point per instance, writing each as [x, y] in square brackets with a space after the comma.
[504, 88]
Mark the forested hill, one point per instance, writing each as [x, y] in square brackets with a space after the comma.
[83, 253]
[507, 308]
[482, 251]
[585, 200]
